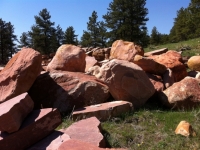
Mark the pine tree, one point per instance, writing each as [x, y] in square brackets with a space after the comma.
[86, 40]
[7, 41]
[126, 20]
[42, 32]
[155, 36]
[70, 37]
[24, 40]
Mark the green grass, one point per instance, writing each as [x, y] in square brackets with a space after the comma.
[194, 44]
[150, 128]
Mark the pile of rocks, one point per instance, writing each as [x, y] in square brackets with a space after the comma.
[90, 83]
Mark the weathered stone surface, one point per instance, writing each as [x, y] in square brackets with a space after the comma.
[99, 54]
[93, 70]
[36, 126]
[126, 81]
[80, 145]
[184, 128]
[168, 78]
[194, 63]
[90, 62]
[156, 52]
[149, 65]
[157, 82]
[1, 68]
[103, 111]
[86, 130]
[67, 90]
[173, 61]
[51, 142]
[125, 50]
[13, 112]
[184, 94]
[68, 58]
[19, 74]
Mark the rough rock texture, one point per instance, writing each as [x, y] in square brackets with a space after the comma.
[168, 78]
[67, 90]
[125, 50]
[90, 62]
[93, 70]
[156, 52]
[99, 54]
[36, 126]
[68, 58]
[184, 128]
[87, 130]
[1, 68]
[157, 82]
[149, 65]
[51, 142]
[194, 63]
[103, 111]
[80, 145]
[173, 61]
[19, 74]
[13, 112]
[126, 81]
[184, 94]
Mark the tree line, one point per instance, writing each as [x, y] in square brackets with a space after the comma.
[124, 20]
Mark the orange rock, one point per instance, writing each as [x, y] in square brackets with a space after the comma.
[13, 112]
[156, 52]
[125, 50]
[184, 128]
[68, 58]
[90, 62]
[19, 74]
[194, 63]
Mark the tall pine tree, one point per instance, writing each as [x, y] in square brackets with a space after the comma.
[126, 20]
[70, 37]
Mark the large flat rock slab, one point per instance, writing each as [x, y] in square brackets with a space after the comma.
[87, 130]
[37, 125]
[19, 74]
[51, 142]
[156, 52]
[103, 111]
[13, 112]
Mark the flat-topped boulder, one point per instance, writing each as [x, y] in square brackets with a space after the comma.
[156, 52]
[36, 126]
[149, 65]
[103, 111]
[67, 91]
[125, 50]
[172, 60]
[19, 73]
[86, 130]
[126, 81]
[51, 142]
[14, 111]
[68, 58]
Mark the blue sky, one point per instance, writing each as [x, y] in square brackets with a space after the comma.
[76, 13]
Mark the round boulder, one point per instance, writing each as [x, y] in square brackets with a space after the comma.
[194, 63]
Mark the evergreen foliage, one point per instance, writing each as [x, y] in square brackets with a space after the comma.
[7, 41]
[70, 37]
[126, 20]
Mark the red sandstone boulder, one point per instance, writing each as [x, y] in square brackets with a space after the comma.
[80, 145]
[99, 54]
[93, 70]
[13, 112]
[103, 111]
[157, 82]
[156, 52]
[36, 126]
[51, 142]
[67, 90]
[90, 62]
[68, 58]
[173, 61]
[184, 94]
[125, 50]
[19, 74]
[149, 65]
[86, 130]
[126, 81]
